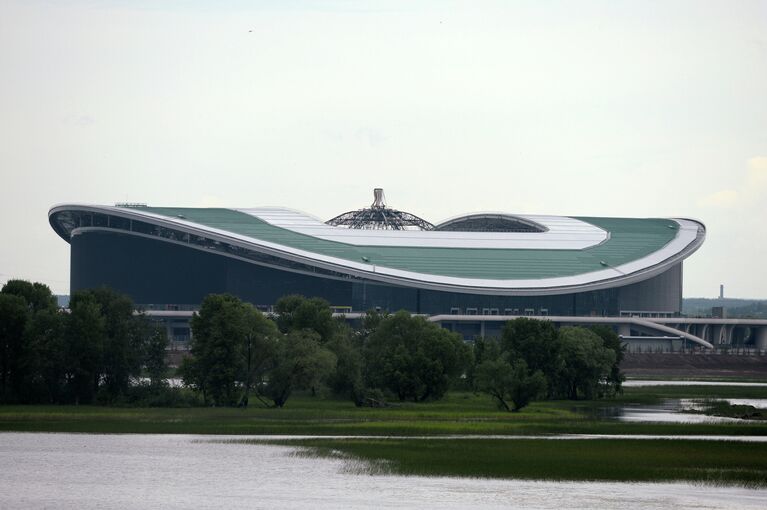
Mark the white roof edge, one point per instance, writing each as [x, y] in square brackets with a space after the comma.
[655, 263]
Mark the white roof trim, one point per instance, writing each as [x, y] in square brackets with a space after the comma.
[684, 243]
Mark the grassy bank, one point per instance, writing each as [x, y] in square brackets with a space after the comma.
[727, 463]
[458, 413]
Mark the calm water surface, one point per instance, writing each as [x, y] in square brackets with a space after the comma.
[638, 383]
[173, 471]
[669, 411]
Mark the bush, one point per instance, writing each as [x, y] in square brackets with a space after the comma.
[148, 395]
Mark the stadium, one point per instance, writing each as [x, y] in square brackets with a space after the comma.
[170, 258]
[470, 273]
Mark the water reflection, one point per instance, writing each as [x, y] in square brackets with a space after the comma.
[670, 411]
[635, 383]
[673, 411]
[759, 403]
[151, 471]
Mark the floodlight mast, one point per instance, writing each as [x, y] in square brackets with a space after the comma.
[380, 217]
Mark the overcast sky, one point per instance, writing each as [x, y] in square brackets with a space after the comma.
[637, 109]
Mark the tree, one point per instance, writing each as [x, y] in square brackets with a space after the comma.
[483, 349]
[413, 358]
[510, 382]
[587, 362]
[216, 362]
[296, 312]
[537, 342]
[37, 295]
[13, 319]
[611, 340]
[22, 303]
[85, 330]
[301, 363]
[97, 348]
[370, 322]
[234, 345]
[154, 356]
[346, 379]
[123, 341]
[261, 337]
[46, 366]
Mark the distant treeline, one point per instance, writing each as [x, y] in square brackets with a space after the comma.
[100, 351]
[735, 308]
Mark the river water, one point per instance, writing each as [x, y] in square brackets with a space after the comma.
[640, 383]
[87, 471]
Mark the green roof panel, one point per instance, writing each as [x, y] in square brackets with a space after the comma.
[630, 239]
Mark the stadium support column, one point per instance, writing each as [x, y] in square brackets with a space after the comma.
[722, 334]
[761, 338]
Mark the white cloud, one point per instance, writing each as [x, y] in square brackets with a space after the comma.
[749, 192]
[757, 173]
[723, 198]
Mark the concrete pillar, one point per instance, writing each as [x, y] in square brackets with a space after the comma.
[624, 330]
[760, 337]
[738, 334]
[702, 331]
[718, 334]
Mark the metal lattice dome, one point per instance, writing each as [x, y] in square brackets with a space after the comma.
[380, 217]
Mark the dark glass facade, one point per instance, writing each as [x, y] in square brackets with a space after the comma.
[160, 273]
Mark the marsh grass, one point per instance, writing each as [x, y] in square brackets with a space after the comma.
[716, 407]
[709, 462]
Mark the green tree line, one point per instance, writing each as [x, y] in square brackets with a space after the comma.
[101, 351]
[95, 353]
[238, 353]
[533, 359]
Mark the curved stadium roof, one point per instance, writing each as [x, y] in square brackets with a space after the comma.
[545, 255]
